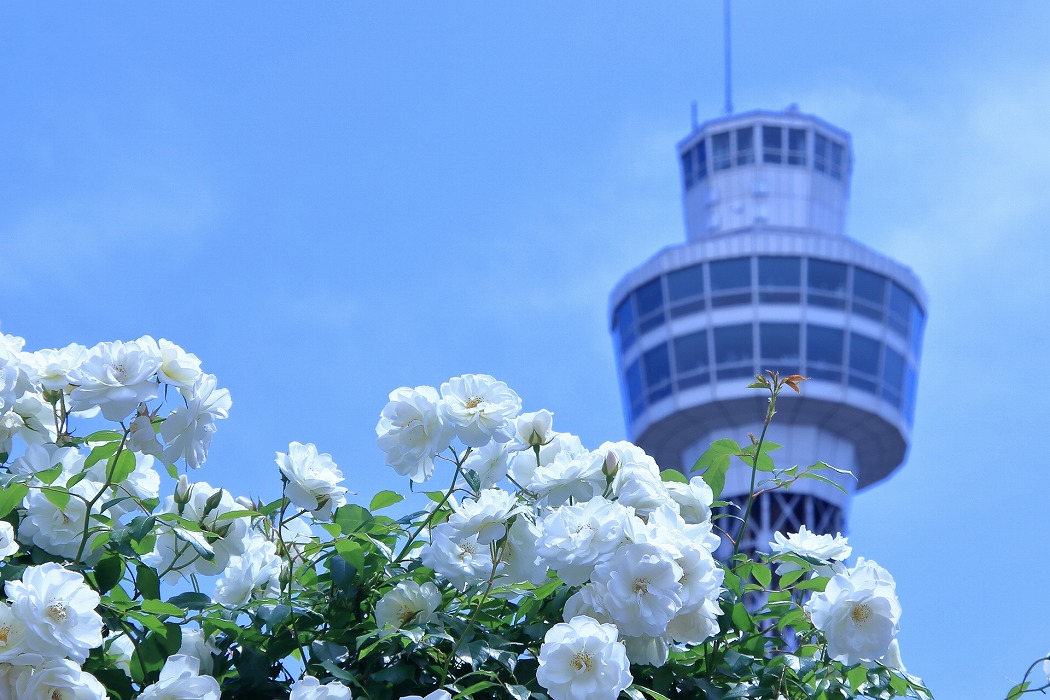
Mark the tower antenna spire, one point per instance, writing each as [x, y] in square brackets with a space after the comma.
[729, 72]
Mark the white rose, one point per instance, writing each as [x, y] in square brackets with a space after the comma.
[858, 612]
[409, 603]
[8, 545]
[694, 499]
[56, 679]
[115, 377]
[582, 660]
[490, 462]
[179, 680]
[309, 688]
[480, 408]
[176, 366]
[486, 516]
[188, 430]
[312, 479]
[411, 430]
[256, 572]
[461, 560]
[642, 589]
[534, 429]
[436, 695]
[58, 610]
[573, 539]
[826, 549]
[195, 644]
[569, 476]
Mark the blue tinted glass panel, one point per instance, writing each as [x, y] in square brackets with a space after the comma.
[918, 321]
[649, 297]
[690, 352]
[796, 146]
[821, 153]
[635, 398]
[733, 344]
[827, 276]
[730, 274]
[623, 323]
[720, 151]
[892, 375]
[900, 309]
[779, 342]
[824, 352]
[837, 166]
[779, 271]
[657, 366]
[687, 168]
[745, 145]
[701, 161]
[863, 354]
[772, 145]
[686, 283]
[910, 385]
[869, 286]
[824, 345]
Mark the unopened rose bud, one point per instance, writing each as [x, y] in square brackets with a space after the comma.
[612, 464]
[182, 492]
[245, 502]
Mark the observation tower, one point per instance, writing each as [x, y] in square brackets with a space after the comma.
[768, 279]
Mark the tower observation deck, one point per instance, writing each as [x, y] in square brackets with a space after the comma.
[767, 279]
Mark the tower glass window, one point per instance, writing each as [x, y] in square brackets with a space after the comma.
[657, 365]
[824, 352]
[772, 145]
[900, 309]
[863, 362]
[892, 376]
[734, 351]
[623, 324]
[796, 146]
[720, 151]
[730, 282]
[687, 169]
[685, 290]
[701, 160]
[826, 281]
[779, 278]
[779, 345]
[649, 299]
[745, 145]
[635, 395]
[869, 293]
[691, 360]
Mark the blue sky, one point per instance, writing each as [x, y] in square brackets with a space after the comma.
[325, 202]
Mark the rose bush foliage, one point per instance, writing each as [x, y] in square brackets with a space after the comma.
[537, 568]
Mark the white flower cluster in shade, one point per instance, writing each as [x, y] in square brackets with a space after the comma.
[638, 548]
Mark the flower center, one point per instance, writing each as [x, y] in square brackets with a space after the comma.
[406, 615]
[583, 661]
[57, 611]
[56, 694]
[860, 614]
[5, 632]
[641, 585]
[473, 402]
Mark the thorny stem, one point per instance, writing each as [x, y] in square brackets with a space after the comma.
[430, 516]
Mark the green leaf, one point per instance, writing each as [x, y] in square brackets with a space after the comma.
[147, 581]
[108, 572]
[197, 541]
[191, 600]
[650, 692]
[857, 676]
[235, 514]
[763, 575]
[673, 475]
[48, 476]
[352, 552]
[57, 496]
[1017, 691]
[384, 499]
[104, 451]
[741, 618]
[11, 496]
[821, 477]
[121, 470]
[104, 436]
[156, 607]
